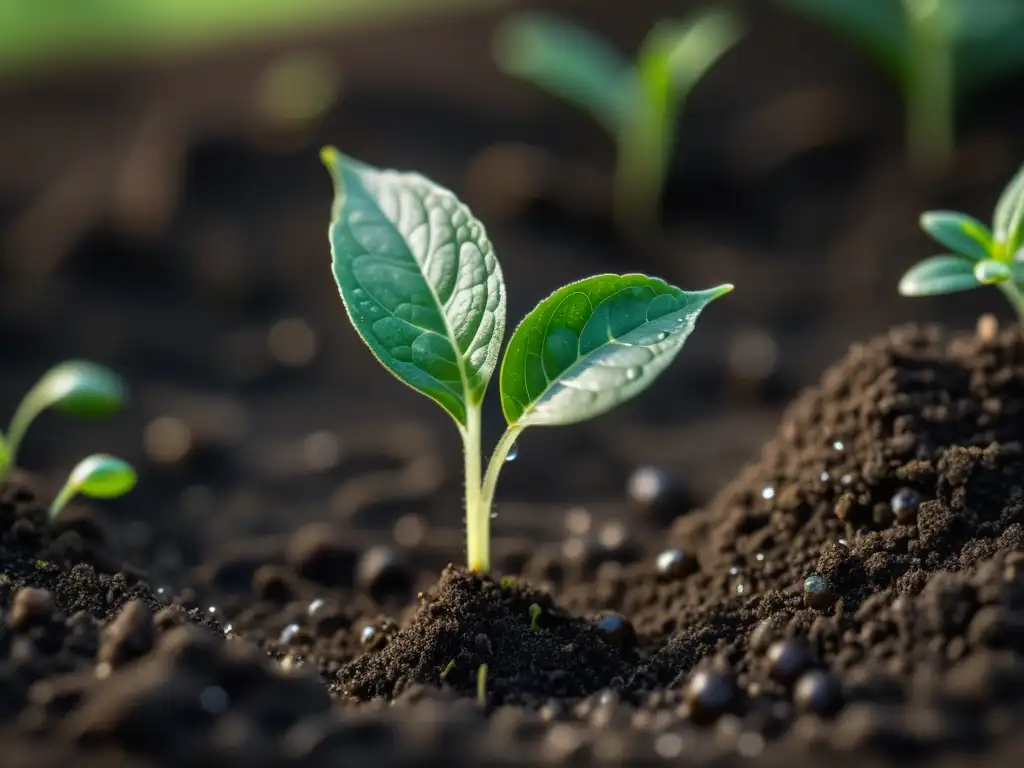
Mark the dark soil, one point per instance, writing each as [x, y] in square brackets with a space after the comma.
[914, 651]
[275, 590]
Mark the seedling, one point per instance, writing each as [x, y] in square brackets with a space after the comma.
[481, 685]
[980, 256]
[937, 50]
[448, 669]
[637, 103]
[76, 387]
[99, 476]
[422, 286]
[535, 612]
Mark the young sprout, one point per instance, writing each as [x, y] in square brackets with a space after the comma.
[99, 476]
[637, 103]
[980, 256]
[481, 685]
[937, 50]
[448, 669]
[535, 613]
[421, 284]
[76, 387]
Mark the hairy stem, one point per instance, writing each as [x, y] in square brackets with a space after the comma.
[477, 533]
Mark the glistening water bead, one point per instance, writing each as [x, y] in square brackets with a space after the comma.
[675, 562]
[905, 503]
[513, 453]
[817, 592]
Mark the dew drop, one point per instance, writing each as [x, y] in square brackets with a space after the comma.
[212, 609]
[759, 557]
[513, 453]
[632, 374]
[660, 336]
[768, 493]
[838, 445]
[228, 629]
[846, 479]
[825, 476]
[315, 606]
[288, 634]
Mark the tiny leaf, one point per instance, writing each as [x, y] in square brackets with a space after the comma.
[1008, 224]
[990, 272]
[594, 344]
[939, 274]
[79, 388]
[419, 281]
[102, 476]
[962, 234]
[568, 61]
[99, 476]
[5, 456]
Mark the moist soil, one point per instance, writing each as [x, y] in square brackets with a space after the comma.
[895, 482]
[275, 590]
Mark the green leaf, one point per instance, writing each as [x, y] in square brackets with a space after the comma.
[937, 275]
[990, 272]
[568, 61]
[960, 233]
[419, 280]
[99, 476]
[5, 457]
[595, 344]
[102, 476]
[79, 388]
[1008, 223]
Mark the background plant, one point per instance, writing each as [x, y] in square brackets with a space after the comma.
[939, 51]
[638, 103]
[980, 256]
[423, 288]
[75, 387]
[100, 476]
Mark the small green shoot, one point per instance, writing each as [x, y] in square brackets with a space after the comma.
[76, 387]
[535, 614]
[481, 685]
[99, 476]
[980, 256]
[448, 669]
[637, 103]
[423, 288]
[508, 582]
[937, 50]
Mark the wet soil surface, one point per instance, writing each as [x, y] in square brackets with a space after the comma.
[275, 591]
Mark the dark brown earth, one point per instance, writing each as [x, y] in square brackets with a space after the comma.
[152, 220]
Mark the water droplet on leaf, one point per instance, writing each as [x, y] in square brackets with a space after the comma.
[513, 453]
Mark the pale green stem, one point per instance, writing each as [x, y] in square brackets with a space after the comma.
[929, 86]
[477, 538]
[66, 494]
[639, 174]
[23, 417]
[1012, 292]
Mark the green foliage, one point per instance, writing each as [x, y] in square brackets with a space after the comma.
[937, 50]
[423, 288]
[99, 476]
[637, 103]
[979, 256]
[76, 388]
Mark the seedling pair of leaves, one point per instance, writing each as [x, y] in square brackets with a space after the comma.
[980, 256]
[637, 103]
[85, 390]
[422, 286]
[937, 50]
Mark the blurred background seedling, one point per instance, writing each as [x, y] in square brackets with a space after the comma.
[77, 388]
[99, 476]
[637, 103]
[940, 52]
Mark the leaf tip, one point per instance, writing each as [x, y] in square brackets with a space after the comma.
[721, 290]
[331, 158]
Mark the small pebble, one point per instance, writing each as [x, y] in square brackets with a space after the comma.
[819, 693]
[788, 659]
[383, 573]
[905, 503]
[709, 693]
[31, 606]
[675, 562]
[617, 631]
[818, 593]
